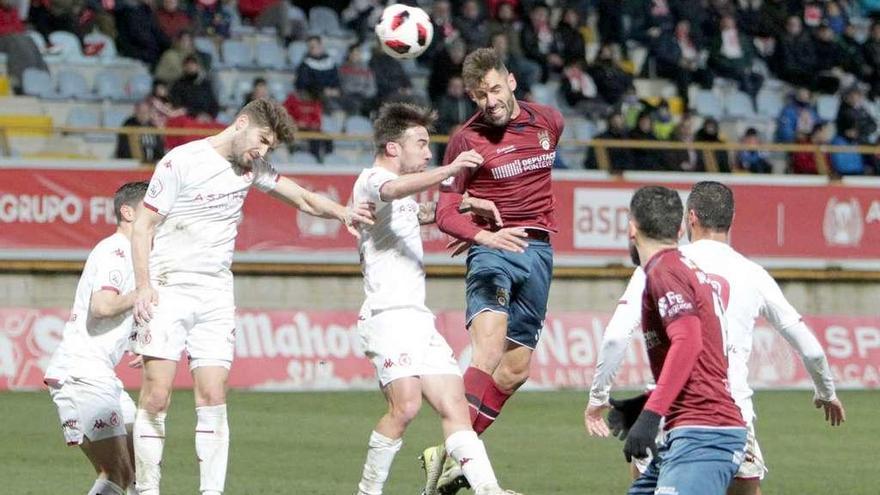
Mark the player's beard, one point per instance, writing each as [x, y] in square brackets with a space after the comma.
[503, 119]
[634, 254]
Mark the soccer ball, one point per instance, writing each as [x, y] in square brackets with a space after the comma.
[404, 31]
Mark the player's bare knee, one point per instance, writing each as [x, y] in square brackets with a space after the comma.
[154, 400]
[211, 397]
[405, 410]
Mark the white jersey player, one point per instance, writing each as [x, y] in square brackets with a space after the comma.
[748, 292]
[182, 249]
[397, 330]
[95, 412]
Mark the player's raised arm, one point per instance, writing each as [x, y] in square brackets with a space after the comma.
[626, 319]
[409, 184]
[788, 322]
[318, 205]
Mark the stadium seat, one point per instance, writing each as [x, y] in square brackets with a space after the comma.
[324, 20]
[279, 89]
[708, 104]
[109, 85]
[738, 104]
[296, 52]
[72, 84]
[108, 53]
[303, 158]
[87, 117]
[68, 46]
[584, 130]
[139, 86]
[36, 82]
[332, 123]
[114, 117]
[237, 54]
[336, 160]
[827, 106]
[207, 45]
[770, 103]
[543, 94]
[358, 125]
[270, 55]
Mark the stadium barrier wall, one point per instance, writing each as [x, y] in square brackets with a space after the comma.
[321, 350]
[54, 214]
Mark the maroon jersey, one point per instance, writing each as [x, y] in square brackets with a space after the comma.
[690, 368]
[515, 174]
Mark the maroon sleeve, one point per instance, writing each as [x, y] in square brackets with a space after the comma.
[558, 122]
[685, 344]
[449, 220]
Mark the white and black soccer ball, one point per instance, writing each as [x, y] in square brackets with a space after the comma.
[404, 31]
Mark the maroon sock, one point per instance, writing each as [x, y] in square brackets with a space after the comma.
[476, 382]
[493, 401]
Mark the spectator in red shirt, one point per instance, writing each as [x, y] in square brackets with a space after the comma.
[306, 110]
[804, 162]
[172, 19]
[199, 121]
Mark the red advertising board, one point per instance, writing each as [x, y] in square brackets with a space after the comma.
[321, 350]
[63, 213]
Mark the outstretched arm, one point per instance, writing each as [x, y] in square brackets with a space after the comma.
[318, 205]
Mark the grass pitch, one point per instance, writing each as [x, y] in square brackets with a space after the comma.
[314, 443]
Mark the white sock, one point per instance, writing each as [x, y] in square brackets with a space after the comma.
[149, 440]
[105, 487]
[380, 455]
[212, 448]
[468, 450]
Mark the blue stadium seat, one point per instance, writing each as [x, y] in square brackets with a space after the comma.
[827, 106]
[72, 84]
[84, 117]
[738, 104]
[270, 55]
[303, 158]
[68, 45]
[296, 52]
[36, 82]
[107, 54]
[324, 20]
[115, 117]
[332, 123]
[356, 124]
[584, 130]
[139, 86]
[237, 54]
[707, 104]
[109, 85]
[770, 103]
[336, 160]
[207, 45]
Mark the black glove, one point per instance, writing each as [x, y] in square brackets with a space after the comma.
[624, 413]
[642, 436]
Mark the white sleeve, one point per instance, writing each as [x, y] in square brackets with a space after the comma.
[788, 322]
[375, 179]
[165, 184]
[626, 319]
[112, 266]
[265, 176]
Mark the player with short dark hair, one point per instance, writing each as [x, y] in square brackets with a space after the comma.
[747, 292]
[686, 339]
[95, 411]
[411, 358]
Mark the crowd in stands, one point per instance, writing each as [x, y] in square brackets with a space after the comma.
[590, 53]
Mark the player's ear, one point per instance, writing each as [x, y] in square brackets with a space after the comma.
[242, 121]
[632, 229]
[511, 82]
[127, 213]
[392, 149]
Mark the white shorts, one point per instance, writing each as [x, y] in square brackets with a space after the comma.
[405, 342]
[94, 408]
[198, 320]
[752, 467]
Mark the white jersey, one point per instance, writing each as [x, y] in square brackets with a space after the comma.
[749, 292]
[201, 196]
[92, 347]
[390, 249]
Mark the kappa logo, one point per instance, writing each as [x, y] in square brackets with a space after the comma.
[167, 164]
[843, 224]
[119, 252]
[155, 188]
[388, 363]
[100, 424]
[465, 460]
[70, 424]
[502, 295]
[544, 139]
